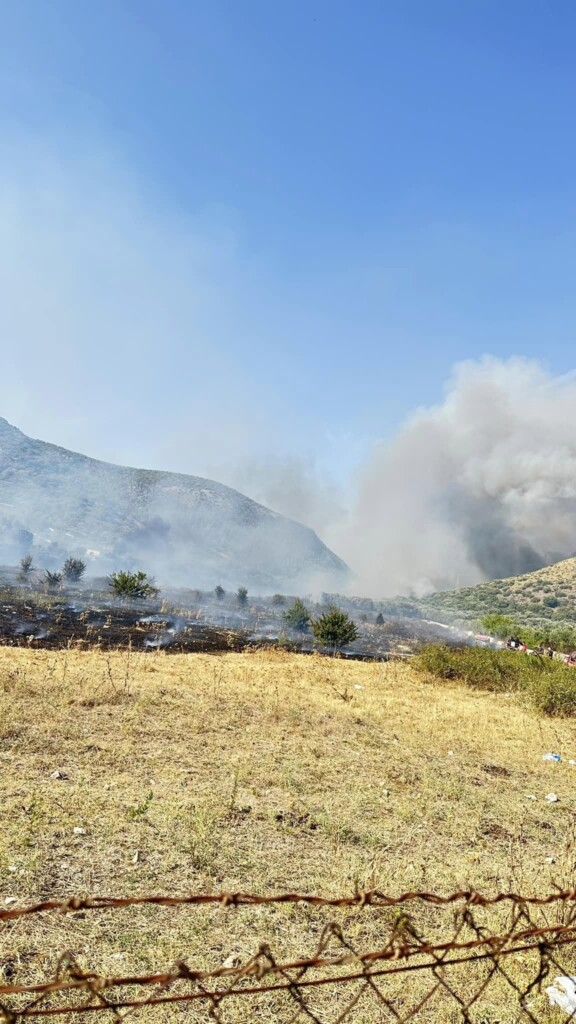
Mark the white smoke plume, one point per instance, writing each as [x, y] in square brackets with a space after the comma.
[481, 486]
[292, 486]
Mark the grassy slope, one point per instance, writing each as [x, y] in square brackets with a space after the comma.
[522, 597]
[266, 773]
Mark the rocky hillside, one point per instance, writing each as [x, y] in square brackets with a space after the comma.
[548, 593]
[184, 529]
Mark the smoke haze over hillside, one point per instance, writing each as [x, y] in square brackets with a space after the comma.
[482, 485]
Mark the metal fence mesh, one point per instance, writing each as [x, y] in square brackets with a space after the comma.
[465, 970]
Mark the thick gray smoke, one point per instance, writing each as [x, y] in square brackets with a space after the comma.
[483, 485]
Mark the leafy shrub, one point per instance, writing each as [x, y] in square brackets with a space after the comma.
[242, 596]
[73, 569]
[26, 568]
[554, 693]
[500, 626]
[550, 686]
[297, 616]
[278, 600]
[334, 629]
[219, 592]
[132, 585]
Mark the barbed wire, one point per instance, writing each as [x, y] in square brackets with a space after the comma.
[309, 986]
[362, 898]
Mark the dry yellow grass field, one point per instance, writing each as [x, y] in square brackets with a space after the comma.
[262, 772]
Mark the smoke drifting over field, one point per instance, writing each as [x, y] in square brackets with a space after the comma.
[483, 485]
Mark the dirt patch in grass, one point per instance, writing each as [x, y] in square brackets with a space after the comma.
[123, 773]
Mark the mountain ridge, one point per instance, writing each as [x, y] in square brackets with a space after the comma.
[188, 530]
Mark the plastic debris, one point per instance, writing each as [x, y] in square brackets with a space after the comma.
[552, 798]
[563, 993]
[78, 831]
[572, 761]
[551, 757]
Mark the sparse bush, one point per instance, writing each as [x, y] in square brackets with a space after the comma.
[132, 585]
[52, 580]
[297, 616]
[26, 569]
[334, 629]
[554, 693]
[379, 619]
[220, 593]
[548, 685]
[278, 600]
[551, 602]
[73, 569]
[242, 596]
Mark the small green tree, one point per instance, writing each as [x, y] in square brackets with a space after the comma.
[334, 629]
[132, 585]
[501, 626]
[52, 580]
[242, 596]
[26, 569]
[278, 600]
[297, 616]
[73, 569]
[379, 619]
[220, 593]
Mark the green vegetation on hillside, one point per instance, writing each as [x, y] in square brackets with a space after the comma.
[561, 637]
[549, 686]
[547, 596]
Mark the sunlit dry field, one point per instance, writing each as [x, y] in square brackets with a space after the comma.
[128, 774]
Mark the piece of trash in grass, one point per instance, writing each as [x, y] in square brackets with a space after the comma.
[10, 899]
[358, 687]
[563, 993]
[551, 757]
[530, 796]
[78, 831]
[551, 798]
[572, 761]
[232, 961]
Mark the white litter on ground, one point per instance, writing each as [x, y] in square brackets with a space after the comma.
[563, 994]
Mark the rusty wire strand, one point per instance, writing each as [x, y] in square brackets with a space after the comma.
[555, 934]
[372, 898]
[404, 952]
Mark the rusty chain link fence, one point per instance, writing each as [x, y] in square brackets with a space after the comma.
[465, 969]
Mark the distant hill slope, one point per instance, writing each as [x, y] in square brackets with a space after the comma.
[548, 593]
[184, 529]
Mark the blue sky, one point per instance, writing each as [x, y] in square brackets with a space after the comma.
[242, 231]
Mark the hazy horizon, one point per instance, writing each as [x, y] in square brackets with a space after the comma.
[255, 246]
